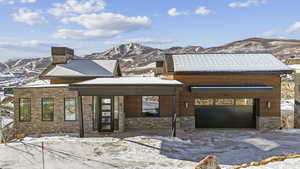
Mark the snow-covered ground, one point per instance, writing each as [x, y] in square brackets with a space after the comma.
[144, 149]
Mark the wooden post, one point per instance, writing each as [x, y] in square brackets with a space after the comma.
[80, 113]
[174, 116]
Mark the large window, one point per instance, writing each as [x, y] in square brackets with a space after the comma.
[150, 106]
[25, 108]
[70, 109]
[204, 102]
[48, 109]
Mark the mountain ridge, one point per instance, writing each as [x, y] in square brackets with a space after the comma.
[136, 59]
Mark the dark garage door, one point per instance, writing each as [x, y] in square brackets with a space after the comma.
[225, 113]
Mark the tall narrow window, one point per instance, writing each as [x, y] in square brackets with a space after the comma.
[48, 109]
[25, 109]
[150, 106]
[70, 109]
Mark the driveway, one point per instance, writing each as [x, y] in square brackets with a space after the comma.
[145, 149]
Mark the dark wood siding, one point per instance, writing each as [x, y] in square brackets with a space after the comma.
[133, 106]
[273, 80]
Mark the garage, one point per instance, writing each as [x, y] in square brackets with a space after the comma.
[225, 112]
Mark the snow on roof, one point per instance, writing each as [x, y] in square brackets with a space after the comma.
[42, 84]
[129, 81]
[295, 67]
[228, 63]
[84, 67]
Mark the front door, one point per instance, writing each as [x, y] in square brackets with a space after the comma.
[106, 114]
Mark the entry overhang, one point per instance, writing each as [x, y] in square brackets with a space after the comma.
[219, 89]
[127, 86]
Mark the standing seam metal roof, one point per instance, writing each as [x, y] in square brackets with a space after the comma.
[86, 68]
[228, 63]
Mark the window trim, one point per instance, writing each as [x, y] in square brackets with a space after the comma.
[43, 108]
[65, 109]
[159, 106]
[20, 110]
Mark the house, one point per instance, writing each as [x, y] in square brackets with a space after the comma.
[194, 91]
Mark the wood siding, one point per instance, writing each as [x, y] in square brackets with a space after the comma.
[186, 96]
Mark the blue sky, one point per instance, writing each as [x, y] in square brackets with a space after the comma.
[30, 27]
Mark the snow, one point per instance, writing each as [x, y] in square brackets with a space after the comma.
[287, 105]
[153, 149]
[129, 81]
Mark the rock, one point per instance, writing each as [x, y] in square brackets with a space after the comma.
[209, 162]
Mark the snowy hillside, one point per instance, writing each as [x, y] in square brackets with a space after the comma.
[138, 59]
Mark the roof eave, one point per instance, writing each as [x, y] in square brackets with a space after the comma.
[234, 72]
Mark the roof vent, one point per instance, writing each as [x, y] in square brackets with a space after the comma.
[61, 55]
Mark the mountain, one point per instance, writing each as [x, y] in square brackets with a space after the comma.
[136, 59]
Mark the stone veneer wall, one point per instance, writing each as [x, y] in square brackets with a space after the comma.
[272, 122]
[36, 125]
[297, 114]
[187, 122]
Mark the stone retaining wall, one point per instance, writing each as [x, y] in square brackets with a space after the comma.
[272, 122]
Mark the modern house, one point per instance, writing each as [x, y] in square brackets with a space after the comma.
[193, 91]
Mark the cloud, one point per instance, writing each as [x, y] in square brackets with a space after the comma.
[294, 28]
[25, 44]
[95, 34]
[268, 33]
[73, 7]
[151, 41]
[111, 21]
[174, 12]
[246, 3]
[12, 2]
[29, 17]
[111, 25]
[28, 1]
[203, 11]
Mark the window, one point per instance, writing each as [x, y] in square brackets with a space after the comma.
[70, 109]
[48, 109]
[224, 101]
[204, 102]
[25, 109]
[150, 106]
[244, 102]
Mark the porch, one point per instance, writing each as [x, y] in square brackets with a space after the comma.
[111, 99]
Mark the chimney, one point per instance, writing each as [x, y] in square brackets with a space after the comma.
[159, 67]
[61, 55]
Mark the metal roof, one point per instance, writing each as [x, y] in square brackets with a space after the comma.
[128, 81]
[83, 68]
[228, 63]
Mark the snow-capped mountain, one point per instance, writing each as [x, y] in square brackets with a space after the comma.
[135, 58]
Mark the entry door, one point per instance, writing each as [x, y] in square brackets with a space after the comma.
[106, 114]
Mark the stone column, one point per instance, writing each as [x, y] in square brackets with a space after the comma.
[121, 114]
[96, 111]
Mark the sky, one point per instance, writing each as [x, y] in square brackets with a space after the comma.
[30, 27]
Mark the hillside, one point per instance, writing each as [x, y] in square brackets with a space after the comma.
[136, 59]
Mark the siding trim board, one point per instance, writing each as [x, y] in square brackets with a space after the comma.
[214, 89]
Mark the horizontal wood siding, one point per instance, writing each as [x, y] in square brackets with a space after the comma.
[186, 97]
[133, 106]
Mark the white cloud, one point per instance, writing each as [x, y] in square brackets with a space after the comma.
[268, 33]
[174, 12]
[28, 1]
[111, 25]
[294, 28]
[111, 21]
[152, 41]
[25, 44]
[28, 16]
[12, 2]
[72, 7]
[203, 11]
[246, 3]
[95, 34]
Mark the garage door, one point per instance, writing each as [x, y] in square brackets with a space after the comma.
[225, 113]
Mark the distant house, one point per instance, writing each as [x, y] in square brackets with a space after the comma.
[194, 91]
